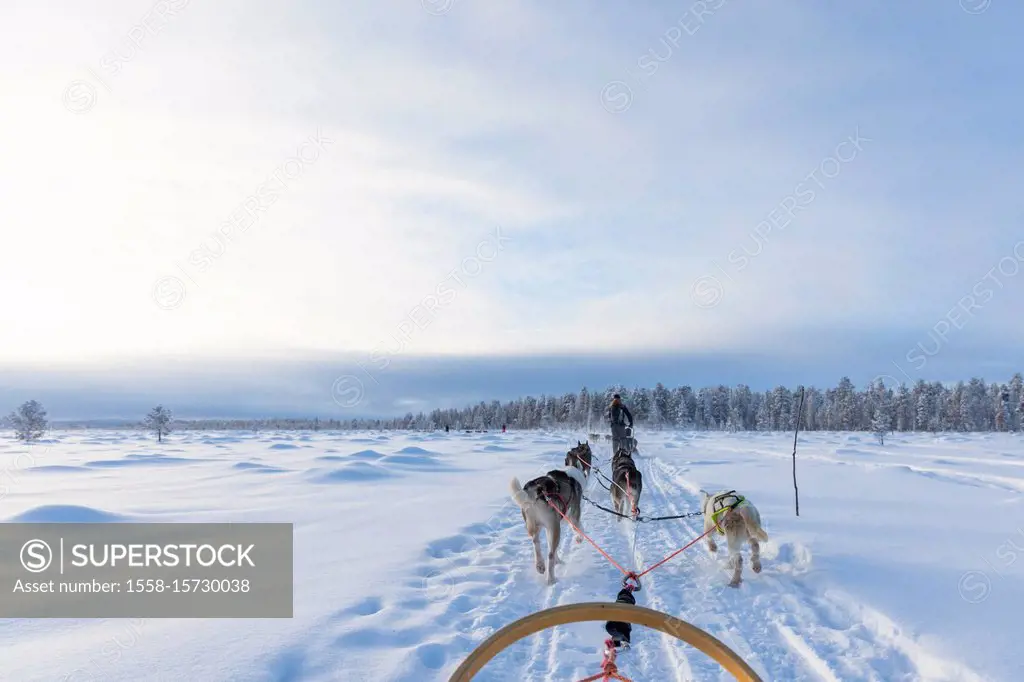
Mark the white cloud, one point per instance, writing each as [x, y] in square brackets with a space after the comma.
[442, 128]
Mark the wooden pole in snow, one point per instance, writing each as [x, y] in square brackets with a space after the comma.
[799, 416]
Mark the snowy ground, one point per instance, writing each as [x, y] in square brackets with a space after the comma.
[901, 566]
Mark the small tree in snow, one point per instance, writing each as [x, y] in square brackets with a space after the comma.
[29, 421]
[158, 421]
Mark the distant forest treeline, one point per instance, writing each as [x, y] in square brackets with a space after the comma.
[968, 406]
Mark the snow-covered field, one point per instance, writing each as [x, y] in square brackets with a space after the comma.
[408, 552]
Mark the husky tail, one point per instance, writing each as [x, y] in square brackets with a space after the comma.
[519, 496]
[577, 475]
[753, 523]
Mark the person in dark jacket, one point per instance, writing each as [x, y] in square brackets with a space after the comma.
[620, 417]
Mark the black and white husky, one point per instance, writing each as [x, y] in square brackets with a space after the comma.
[560, 487]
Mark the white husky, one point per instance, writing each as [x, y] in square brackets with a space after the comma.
[738, 519]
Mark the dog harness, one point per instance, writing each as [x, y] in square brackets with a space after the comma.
[547, 498]
[721, 504]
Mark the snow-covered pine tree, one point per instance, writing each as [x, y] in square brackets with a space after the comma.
[973, 406]
[641, 406]
[1016, 406]
[583, 401]
[662, 408]
[764, 415]
[719, 408]
[846, 399]
[551, 410]
[829, 410]
[734, 421]
[902, 408]
[567, 411]
[684, 403]
[159, 422]
[936, 391]
[881, 422]
[702, 403]
[922, 409]
[782, 409]
[954, 407]
[812, 405]
[1002, 404]
[523, 416]
[740, 414]
[499, 415]
[29, 421]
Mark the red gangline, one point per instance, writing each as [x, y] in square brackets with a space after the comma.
[675, 553]
[626, 573]
[606, 555]
[609, 671]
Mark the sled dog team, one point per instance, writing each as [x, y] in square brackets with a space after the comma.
[731, 514]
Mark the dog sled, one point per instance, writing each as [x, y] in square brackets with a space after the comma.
[614, 612]
[631, 443]
[623, 613]
[628, 442]
[561, 493]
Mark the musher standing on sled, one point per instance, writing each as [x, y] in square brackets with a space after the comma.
[618, 414]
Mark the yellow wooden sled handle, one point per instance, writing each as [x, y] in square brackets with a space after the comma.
[598, 611]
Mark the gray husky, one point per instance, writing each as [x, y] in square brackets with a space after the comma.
[627, 484]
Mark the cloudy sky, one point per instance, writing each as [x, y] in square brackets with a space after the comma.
[229, 206]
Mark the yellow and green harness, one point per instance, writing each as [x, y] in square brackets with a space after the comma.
[719, 506]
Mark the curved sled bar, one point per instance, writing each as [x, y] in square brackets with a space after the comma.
[599, 611]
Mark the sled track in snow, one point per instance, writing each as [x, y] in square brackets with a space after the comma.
[780, 623]
[574, 652]
[466, 586]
